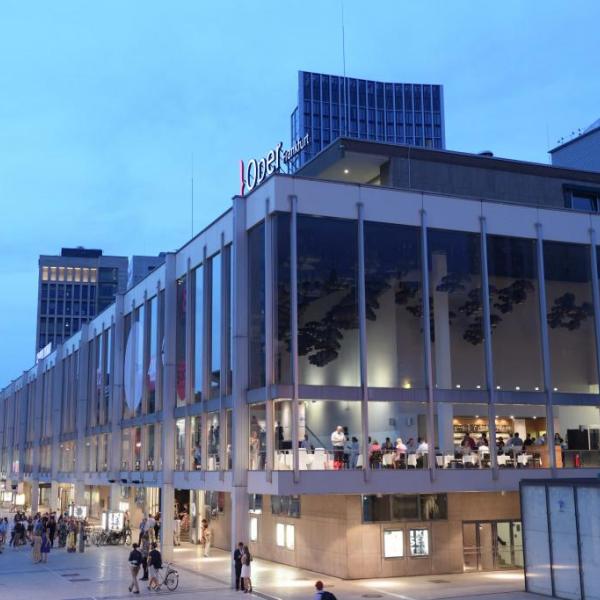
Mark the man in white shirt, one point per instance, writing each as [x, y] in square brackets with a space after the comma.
[338, 440]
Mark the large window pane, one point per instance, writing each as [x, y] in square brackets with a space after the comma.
[327, 301]
[215, 335]
[456, 309]
[180, 340]
[213, 441]
[570, 318]
[151, 373]
[281, 265]
[394, 306]
[257, 437]
[577, 436]
[256, 298]
[199, 335]
[513, 280]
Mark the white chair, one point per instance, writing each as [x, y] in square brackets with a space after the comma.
[302, 459]
[439, 461]
[319, 460]
[359, 461]
[387, 460]
[412, 460]
[448, 458]
[501, 458]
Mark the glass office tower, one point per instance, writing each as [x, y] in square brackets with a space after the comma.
[331, 106]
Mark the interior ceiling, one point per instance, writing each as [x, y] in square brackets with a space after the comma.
[361, 168]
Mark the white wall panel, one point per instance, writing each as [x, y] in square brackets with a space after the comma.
[445, 212]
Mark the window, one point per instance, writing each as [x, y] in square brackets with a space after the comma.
[584, 199]
[285, 505]
[280, 534]
[290, 535]
[255, 503]
[404, 507]
[393, 543]
[253, 529]
[418, 540]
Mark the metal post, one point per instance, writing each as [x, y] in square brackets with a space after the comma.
[487, 337]
[294, 331]
[427, 346]
[595, 298]
[362, 333]
[545, 348]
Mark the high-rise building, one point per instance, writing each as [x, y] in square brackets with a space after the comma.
[581, 152]
[73, 288]
[331, 106]
[140, 266]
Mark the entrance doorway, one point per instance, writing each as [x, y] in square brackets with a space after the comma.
[492, 545]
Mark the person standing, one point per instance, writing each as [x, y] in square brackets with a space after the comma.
[135, 560]
[37, 541]
[145, 551]
[142, 529]
[321, 594]
[45, 547]
[206, 537]
[154, 564]
[149, 527]
[246, 572]
[157, 526]
[237, 561]
[338, 440]
[52, 529]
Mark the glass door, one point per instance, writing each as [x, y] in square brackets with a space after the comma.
[492, 545]
[470, 547]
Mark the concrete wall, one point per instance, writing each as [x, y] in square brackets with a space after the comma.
[583, 153]
[331, 538]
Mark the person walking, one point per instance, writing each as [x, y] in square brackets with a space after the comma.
[37, 541]
[135, 560]
[246, 572]
[206, 537]
[45, 547]
[145, 550]
[321, 594]
[142, 530]
[154, 564]
[52, 529]
[237, 562]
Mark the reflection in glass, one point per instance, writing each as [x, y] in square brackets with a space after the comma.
[199, 334]
[180, 340]
[180, 444]
[327, 301]
[257, 441]
[456, 310]
[394, 306]
[213, 441]
[514, 307]
[152, 349]
[570, 318]
[215, 336]
[197, 442]
[256, 299]
[282, 316]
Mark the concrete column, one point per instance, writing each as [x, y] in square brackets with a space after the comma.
[445, 414]
[54, 503]
[79, 493]
[116, 391]
[114, 496]
[239, 491]
[38, 413]
[82, 402]
[270, 309]
[58, 389]
[169, 402]
[441, 323]
[294, 332]
[35, 496]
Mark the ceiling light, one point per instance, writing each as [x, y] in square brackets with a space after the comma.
[498, 387]
[458, 386]
[556, 389]
[537, 389]
[346, 171]
[517, 388]
[478, 387]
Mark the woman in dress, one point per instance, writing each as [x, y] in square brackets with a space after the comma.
[37, 542]
[72, 537]
[45, 548]
[246, 573]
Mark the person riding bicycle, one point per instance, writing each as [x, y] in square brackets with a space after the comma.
[154, 564]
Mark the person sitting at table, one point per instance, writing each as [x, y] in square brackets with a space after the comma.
[500, 445]
[541, 441]
[411, 446]
[483, 441]
[528, 441]
[468, 443]
[400, 452]
[387, 445]
[422, 452]
[375, 455]
[516, 442]
[306, 444]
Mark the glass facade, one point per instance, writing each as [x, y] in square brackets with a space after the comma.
[256, 305]
[180, 341]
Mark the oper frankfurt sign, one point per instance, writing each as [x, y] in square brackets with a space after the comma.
[257, 170]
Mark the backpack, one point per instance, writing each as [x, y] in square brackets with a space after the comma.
[328, 596]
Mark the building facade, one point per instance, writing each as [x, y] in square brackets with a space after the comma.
[331, 106]
[430, 304]
[73, 288]
[581, 152]
[140, 266]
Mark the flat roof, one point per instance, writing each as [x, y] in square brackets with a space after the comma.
[592, 129]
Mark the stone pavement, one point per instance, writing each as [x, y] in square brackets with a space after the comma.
[103, 574]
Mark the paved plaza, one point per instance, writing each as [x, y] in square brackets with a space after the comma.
[103, 574]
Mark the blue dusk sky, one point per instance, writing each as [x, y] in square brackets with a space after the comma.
[103, 104]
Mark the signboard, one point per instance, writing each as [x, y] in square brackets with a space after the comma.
[255, 171]
[113, 521]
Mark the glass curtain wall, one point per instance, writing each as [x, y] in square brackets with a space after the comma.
[180, 340]
[256, 298]
[456, 315]
[282, 314]
[199, 334]
[570, 318]
[327, 301]
[394, 306]
[514, 306]
[151, 371]
[215, 334]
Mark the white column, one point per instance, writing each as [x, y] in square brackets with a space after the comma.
[239, 491]
[445, 414]
[82, 403]
[58, 389]
[443, 359]
[35, 496]
[79, 493]
[168, 406]
[54, 500]
[116, 394]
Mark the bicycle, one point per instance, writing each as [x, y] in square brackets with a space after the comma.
[170, 578]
